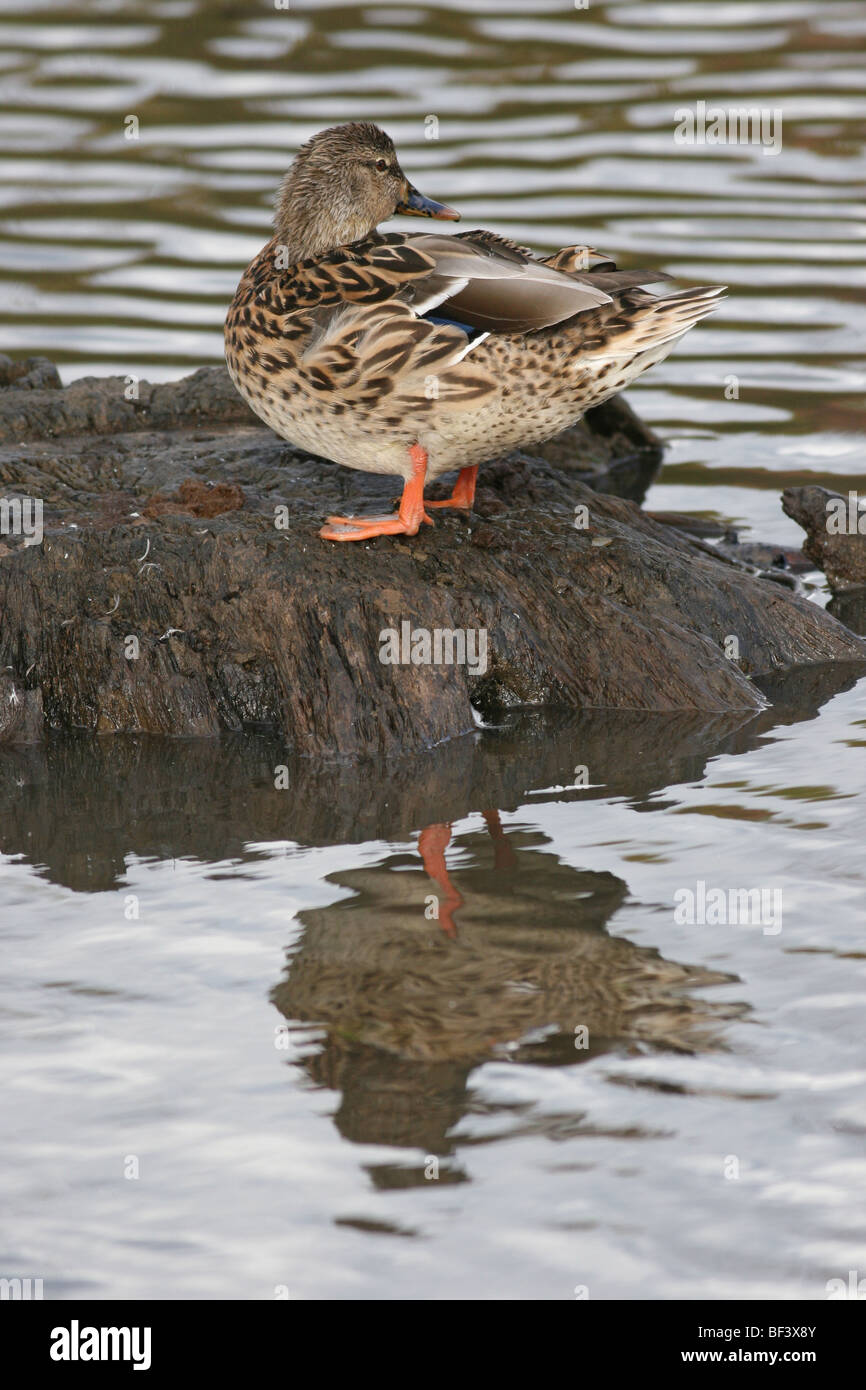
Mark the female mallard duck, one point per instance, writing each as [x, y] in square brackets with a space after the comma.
[416, 355]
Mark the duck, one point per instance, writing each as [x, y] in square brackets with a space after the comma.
[423, 353]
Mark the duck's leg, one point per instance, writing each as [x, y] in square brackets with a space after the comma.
[432, 844]
[503, 854]
[464, 490]
[407, 520]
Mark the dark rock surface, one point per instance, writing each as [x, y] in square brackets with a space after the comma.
[181, 587]
[841, 555]
[33, 374]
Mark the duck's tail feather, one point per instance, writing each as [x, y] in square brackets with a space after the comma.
[642, 322]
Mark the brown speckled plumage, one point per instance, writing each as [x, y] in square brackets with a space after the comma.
[327, 340]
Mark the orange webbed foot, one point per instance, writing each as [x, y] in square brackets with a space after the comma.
[405, 522]
[463, 495]
[364, 528]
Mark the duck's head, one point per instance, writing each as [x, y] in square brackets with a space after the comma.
[342, 184]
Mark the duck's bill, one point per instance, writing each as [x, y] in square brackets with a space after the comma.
[414, 204]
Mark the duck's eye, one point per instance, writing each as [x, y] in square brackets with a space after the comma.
[381, 165]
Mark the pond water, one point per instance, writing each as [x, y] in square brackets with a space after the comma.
[238, 1059]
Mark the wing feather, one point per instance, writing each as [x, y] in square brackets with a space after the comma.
[385, 353]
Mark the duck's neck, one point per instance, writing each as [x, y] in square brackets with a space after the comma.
[307, 226]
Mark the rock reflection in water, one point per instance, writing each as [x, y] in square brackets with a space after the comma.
[522, 952]
[79, 806]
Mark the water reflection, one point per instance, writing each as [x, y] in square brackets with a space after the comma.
[79, 806]
[531, 973]
[299, 916]
[406, 1003]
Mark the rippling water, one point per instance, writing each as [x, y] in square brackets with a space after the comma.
[236, 988]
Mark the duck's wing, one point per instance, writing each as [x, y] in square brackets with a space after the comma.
[480, 280]
[340, 329]
[382, 357]
[496, 286]
[373, 271]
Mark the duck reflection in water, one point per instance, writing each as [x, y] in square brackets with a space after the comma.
[432, 844]
[520, 966]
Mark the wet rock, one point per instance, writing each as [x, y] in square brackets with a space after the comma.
[21, 714]
[759, 555]
[181, 587]
[850, 609]
[841, 554]
[780, 561]
[778, 576]
[694, 525]
[33, 374]
[115, 405]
